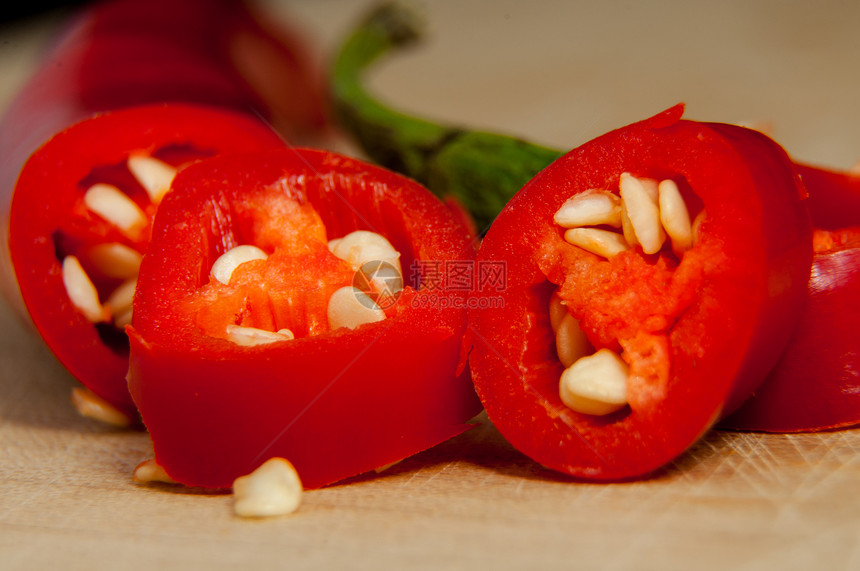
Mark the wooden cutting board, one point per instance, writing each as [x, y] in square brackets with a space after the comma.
[735, 501]
[559, 73]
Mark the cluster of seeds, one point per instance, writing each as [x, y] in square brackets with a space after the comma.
[644, 214]
[363, 251]
[115, 260]
[348, 306]
[645, 211]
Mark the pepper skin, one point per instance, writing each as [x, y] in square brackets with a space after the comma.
[718, 319]
[816, 383]
[335, 403]
[121, 53]
[49, 220]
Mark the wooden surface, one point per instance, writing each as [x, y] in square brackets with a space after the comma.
[554, 72]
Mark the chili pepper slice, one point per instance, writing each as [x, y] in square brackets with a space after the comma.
[120, 54]
[673, 256]
[484, 171]
[72, 243]
[816, 383]
[256, 333]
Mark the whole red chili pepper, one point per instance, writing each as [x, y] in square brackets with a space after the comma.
[118, 53]
[121, 54]
[232, 367]
[71, 205]
[816, 383]
[633, 319]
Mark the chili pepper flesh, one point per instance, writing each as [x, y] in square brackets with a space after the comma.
[290, 291]
[625, 301]
[301, 354]
[608, 363]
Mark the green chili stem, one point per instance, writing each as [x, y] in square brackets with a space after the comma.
[481, 170]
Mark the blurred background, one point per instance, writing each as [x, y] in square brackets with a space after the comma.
[562, 72]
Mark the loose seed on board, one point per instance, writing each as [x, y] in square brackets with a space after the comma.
[82, 292]
[251, 336]
[591, 208]
[596, 384]
[675, 217]
[149, 471]
[640, 199]
[604, 243]
[90, 405]
[114, 260]
[350, 307]
[273, 489]
[153, 175]
[114, 206]
[222, 269]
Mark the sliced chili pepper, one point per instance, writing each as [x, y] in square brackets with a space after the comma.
[257, 333]
[115, 55]
[122, 53]
[484, 171]
[816, 383]
[59, 222]
[673, 256]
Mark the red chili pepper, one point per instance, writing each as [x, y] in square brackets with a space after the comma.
[50, 220]
[696, 326]
[335, 402]
[816, 383]
[116, 55]
[455, 160]
[123, 53]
